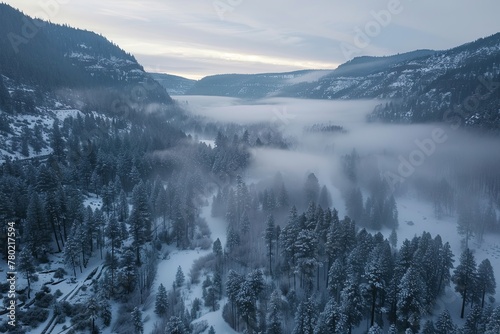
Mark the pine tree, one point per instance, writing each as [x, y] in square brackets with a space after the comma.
[445, 265]
[26, 266]
[211, 330]
[5, 99]
[175, 326]
[305, 317]
[429, 328]
[486, 280]
[376, 272]
[325, 199]
[287, 240]
[115, 236]
[410, 299]
[106, 313]
[392, 329]
[306, 254]
[72, 250]
[351, 305]
[139, 220]
[493, 325]
[127, 275]
[444, 324]
[36, 229]
[337, 276]
[330, 320]
[56, 141]
[210, 294]
[217, 284]
[274, 314]
[393, 238]
[465, 277]
[122, 209]
[137, 321]
[465, 226]
[269, 237]
[283, 199]
[217, 250]
[161, 305]
[311, 189]
[474, 323]
[375, 329]
[354, 205]
[179, 277]
[195, 308]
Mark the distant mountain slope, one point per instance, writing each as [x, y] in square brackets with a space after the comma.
[250, 86]
[175, 85]
[423, 85]
[72, 63]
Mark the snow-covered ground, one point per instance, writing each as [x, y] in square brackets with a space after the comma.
[167, 269]
[421, 214]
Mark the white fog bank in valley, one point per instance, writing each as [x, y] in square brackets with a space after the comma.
[402, 151]
[416, 161]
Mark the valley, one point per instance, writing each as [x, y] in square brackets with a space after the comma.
[363, 199]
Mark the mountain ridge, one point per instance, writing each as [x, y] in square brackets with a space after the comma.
[75, 65]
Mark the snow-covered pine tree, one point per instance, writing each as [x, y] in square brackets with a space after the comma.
[445, 265]
[179, 277]
[375, 329]
[306, 317]
[330, 320]
[485, 280]
[26, 266]
[175, 326]
[474, 323]
[274, 314]
[288, 237]
[115, 239]
[493, 324]
[444, 323]
[393, 238]
[351, 304]
[161, 305]
[139, 220]
[269, 235]
[137, 320]
[410, 299]
[377, 272]
[306, 254]
[106, 314]
[72, 250]
[428, 327]
[465, 277]
[392, 329]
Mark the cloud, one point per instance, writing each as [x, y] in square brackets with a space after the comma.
[284, 35]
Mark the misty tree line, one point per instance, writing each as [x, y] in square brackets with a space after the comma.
[313, 272]
[380, 208]
[470, 197]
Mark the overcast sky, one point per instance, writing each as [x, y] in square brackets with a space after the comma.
[194, 38]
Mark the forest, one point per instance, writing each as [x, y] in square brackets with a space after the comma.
[136, 212]
[290, 264]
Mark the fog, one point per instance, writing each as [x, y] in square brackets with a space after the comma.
[436, 172]
[405, 156]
